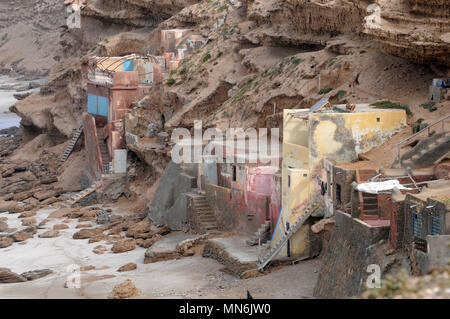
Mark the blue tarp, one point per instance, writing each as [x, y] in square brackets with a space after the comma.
[128, 65]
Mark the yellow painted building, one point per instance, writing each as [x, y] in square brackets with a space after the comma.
[308, 138]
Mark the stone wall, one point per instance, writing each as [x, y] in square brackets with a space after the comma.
[232, 211]
[169, 205]
[351, 249]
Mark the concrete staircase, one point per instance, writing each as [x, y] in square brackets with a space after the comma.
[262, 235]
[206, 219]
[104, 152]
[79, 196]
[73, 141]
[427, 151]
[268, 256]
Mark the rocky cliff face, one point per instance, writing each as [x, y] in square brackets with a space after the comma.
[261, 57]
[417, 30]
[57, 108]
[29, 35]
[437, 8]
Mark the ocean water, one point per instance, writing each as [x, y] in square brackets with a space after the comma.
[8, 119]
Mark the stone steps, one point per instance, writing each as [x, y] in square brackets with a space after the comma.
[205, 215]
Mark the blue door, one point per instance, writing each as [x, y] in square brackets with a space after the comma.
[98, 105]
[102, 106]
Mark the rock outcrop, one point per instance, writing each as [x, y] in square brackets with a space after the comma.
[124, 290]
[29, 36]
[418, 30]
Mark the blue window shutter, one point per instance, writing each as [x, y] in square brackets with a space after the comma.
[102, 106]
[92, 104]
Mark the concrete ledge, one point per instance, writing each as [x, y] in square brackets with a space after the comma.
[233, 252]
[171, 247]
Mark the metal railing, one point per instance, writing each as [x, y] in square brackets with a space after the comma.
[428, 128]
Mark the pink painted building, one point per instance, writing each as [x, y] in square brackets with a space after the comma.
[108, 102]
[244, 195]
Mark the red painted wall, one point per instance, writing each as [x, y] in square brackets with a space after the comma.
[93, 155]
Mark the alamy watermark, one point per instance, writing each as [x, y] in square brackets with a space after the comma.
[373, 20]
[235, 145]
[73, 20]
[374, 279]
[73, 281]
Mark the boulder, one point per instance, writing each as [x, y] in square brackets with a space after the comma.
[103, 217]
[87, 233]
[7, 197]
[87, 268]
[115, 219]
[90, 214]
[29, 222]
[7, 206]
[75, 214]
[36, 274]
[3, 226]
[99, 250]
[164, 230]
[16, 208]
[144, 226]
[27, 214]
[124, 290]
[124, 245]
[23, 195]
[115, 230]
[49, 180]
[83, 226]
[49, 234]
[127, 267]
[31, 203]
[60, 226]
[23, 235]
[43, 195]
[60, 213]
[147, 243]
[6, 242]
[49, 201]
[185, 248]
[87, 219]
[8, 172]
[97, 238]
[43, 223]
[7, 276]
